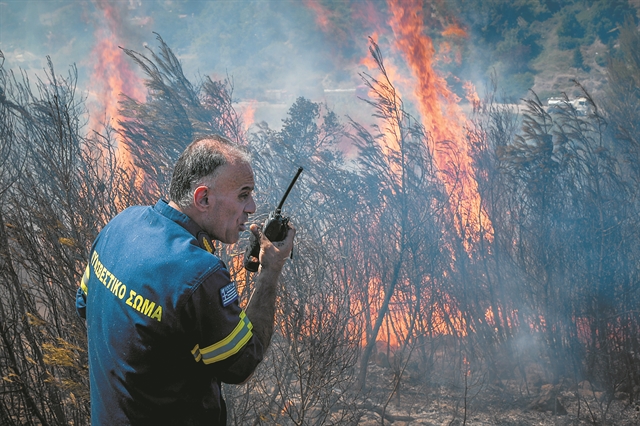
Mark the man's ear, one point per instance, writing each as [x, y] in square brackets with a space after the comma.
[201, 198]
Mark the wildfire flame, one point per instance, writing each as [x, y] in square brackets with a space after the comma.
[439, 107]
[454, 30]
[248, 113]
[322, 14]
[112, 75]
[443, 118]
[472, 95]
[441, 113]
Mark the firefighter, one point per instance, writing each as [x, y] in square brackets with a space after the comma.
[164, 324]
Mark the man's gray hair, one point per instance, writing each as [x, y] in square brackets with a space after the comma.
[202, 159]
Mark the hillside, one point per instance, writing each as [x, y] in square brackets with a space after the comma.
[543, 44]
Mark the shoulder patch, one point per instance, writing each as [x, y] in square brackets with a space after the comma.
[229, 294]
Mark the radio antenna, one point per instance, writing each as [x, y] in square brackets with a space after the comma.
[295, 178]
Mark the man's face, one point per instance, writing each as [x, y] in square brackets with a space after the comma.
[230, 202]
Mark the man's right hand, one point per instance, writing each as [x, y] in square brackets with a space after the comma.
[261, 307]
[273, 255]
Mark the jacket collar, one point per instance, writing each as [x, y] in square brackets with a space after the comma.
[205, 242]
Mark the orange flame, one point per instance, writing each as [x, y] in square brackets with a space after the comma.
[322, 14]
[248, 112]
[445, 53]
[454, 30]
[112, 75]
[472, 95]
[444, 119]
[441, 114]
[444, 319]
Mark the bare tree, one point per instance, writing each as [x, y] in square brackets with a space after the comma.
[59, 188]
[174, 113]
[309, 376]
[397, 238]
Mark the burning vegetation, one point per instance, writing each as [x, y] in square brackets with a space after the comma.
[459, 265]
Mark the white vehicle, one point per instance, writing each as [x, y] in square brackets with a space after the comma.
[580, 105]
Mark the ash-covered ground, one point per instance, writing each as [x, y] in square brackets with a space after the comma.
[504, 403]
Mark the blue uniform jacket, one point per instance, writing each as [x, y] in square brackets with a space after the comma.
[163, 322]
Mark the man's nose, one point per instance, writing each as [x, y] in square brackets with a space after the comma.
[250, 208]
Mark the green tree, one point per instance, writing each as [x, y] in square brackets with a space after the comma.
[570, 31]
[578, 60]
[606, 16]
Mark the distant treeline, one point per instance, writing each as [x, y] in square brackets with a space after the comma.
[516, 33]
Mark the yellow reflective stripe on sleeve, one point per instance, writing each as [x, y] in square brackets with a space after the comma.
[85, 280]
[196, 353]
[227, 347]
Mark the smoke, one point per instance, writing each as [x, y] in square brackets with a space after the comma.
[273, 51]
[29, 31]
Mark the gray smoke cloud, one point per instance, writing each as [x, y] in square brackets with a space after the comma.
[272, 50]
